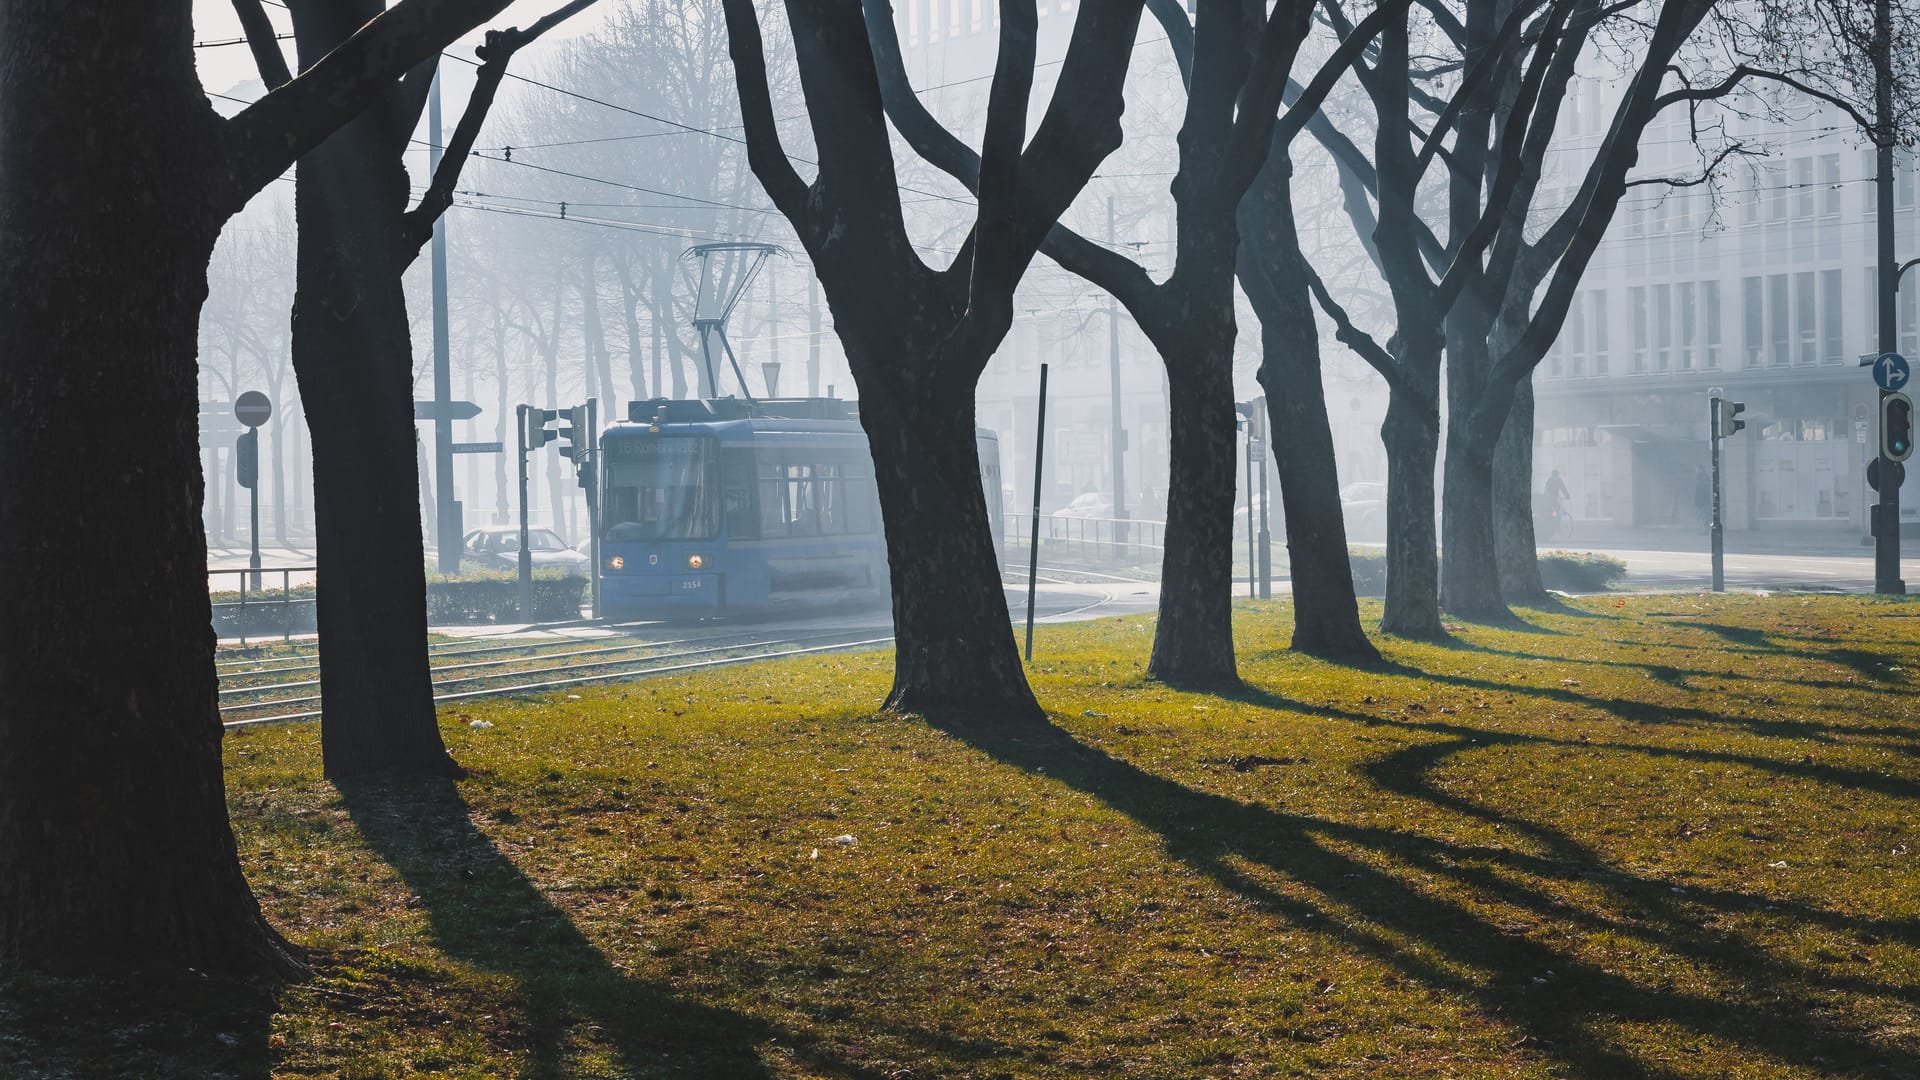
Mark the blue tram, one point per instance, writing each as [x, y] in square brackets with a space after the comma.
[721, 506]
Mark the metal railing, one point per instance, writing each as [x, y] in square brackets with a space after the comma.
[1121, 540]
[286, 602]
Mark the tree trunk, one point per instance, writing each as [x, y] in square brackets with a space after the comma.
[114, 843]
[353, 357]
[1469, 578]
[1412, 437]
[954, 651]
[1326, 613]
[1193, 641]
[1514, 546]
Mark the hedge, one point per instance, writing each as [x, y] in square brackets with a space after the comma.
[470, 599]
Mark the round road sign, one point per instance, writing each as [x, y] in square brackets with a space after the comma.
[252, 408]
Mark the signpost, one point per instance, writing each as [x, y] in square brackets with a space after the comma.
[252, 409]
[455, 410]
[479, 448]
[1033, 550]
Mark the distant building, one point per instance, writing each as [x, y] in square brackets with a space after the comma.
[1768, 293]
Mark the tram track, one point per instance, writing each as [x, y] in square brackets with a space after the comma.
[520, 680]
[258, 691]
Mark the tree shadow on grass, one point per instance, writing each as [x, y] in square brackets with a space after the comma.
[1560, 1001]
[178, 1026]
[485, 912]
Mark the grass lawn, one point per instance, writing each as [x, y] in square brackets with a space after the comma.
[1666, 835]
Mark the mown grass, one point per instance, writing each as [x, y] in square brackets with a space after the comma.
[1668, 836]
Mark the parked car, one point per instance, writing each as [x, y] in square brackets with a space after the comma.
[498, 548]
[1364, 505]
[1089, 505]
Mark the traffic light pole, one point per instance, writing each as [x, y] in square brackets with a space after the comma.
[1714, 527]
[446, 518]
[1886, 525]
[592, 465]
[526, 556]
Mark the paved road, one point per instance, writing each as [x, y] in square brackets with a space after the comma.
[1813, 572]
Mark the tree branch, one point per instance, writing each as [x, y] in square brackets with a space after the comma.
[268, 136]
[1172, 17]
[1742, 73]
[1361, 342]
[765, 155]
[1104, 267]
[495, 54]
[263, 43]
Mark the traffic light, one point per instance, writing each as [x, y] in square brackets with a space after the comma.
[576, 435]
[1896, 427]
[538, 433]
[246, 458]
[1730, 421]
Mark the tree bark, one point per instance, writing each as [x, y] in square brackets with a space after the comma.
[1514, 547]
[1469, 576]
[1326, 613]
[1412, 436]
[1193, 640]
[353, 357]
[114, 842]
[956, 655]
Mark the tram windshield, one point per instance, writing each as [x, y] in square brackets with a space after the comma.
[662, 489]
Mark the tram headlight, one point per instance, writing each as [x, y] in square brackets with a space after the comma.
[618, 562]
[695, 562]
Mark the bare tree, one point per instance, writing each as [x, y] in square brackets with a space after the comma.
[917, 338]
[115, 178]
[1189, 317]
[353, 356]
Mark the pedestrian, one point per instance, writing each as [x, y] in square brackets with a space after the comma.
[1703, 495]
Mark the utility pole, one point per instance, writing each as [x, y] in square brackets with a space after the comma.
[523, 424]
[446, 510]
[1886, 525]
[1119, 432]
[1259, 422]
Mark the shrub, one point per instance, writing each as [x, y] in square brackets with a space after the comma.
[470, 599]
[1580, 571]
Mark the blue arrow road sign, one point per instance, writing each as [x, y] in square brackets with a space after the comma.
[1890, 371]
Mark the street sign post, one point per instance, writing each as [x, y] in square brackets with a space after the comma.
[1890, 372]
[252, 408]
[456, 410]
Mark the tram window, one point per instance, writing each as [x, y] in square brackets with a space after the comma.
[663, 489]
[737, 490]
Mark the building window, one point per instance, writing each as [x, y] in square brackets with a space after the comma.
[1710, 301]
[1803, 318]
[1832, 339]
[1776, 193]
[1779, 336]
[1574, 332]
[1663, 327]
[1599, 300]
[1752, 322]
[1637, 301]
[1830, 185]
[1803, 188]
[1689, 325]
